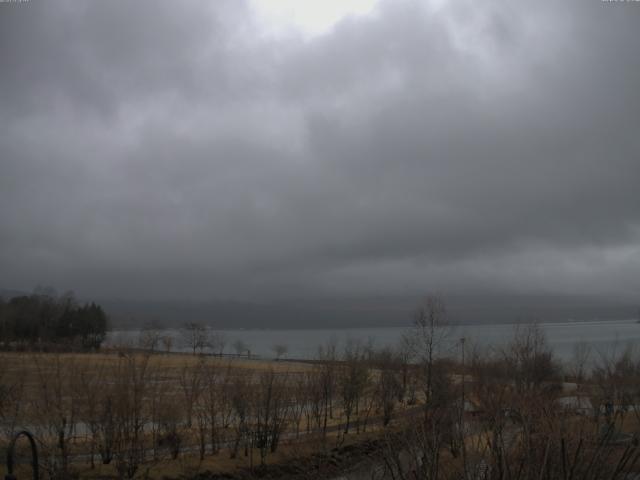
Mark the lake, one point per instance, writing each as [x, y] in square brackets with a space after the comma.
[604, 337]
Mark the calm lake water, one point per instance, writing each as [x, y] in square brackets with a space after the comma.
[604, 337]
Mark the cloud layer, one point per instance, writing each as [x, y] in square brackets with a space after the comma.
[155, 149]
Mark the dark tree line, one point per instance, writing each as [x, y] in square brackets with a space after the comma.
[34, 321]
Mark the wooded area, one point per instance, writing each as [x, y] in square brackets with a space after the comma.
[44, 321]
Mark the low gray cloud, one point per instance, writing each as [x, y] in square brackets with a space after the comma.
[154, 149]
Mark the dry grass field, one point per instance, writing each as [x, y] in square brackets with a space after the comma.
[131, 414]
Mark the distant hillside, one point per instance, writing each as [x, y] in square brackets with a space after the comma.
[374, 311]
[6, 293]
[363, 312]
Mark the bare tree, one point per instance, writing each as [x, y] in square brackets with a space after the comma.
[129, 392]
[195, 336]
[217, 343]
[388, 384]
[240, 399]
[617, 375]
[90, 393]
[300, 401]
[427, 338]
[106, 424]
[157, 401]
[240, 347]
[579, 363]
[191, 386]
[56, 409]
[11, 391]
[327, 358]
[352, 380]
[169, 418]
[529, 358]
[279, 350]
[150, 337]
[270, 411]
[167, 343]
[213, 403]
[404, 355]
[316, 406]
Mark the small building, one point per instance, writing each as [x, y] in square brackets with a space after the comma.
[576, 404]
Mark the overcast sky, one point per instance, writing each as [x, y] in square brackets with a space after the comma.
[273, 150]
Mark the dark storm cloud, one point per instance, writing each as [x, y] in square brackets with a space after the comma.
[154, 149]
